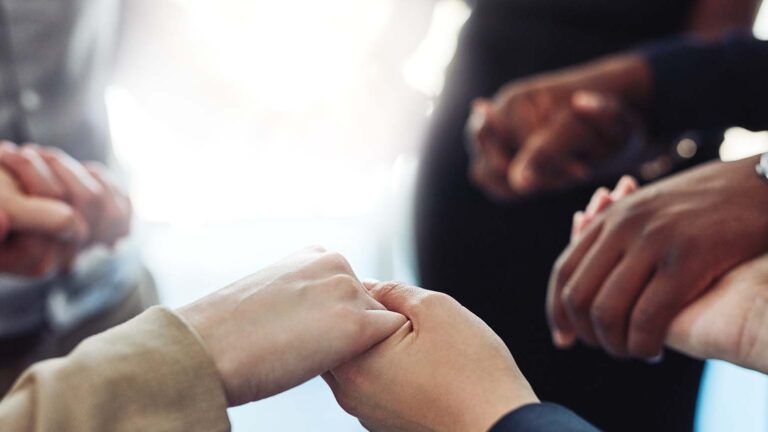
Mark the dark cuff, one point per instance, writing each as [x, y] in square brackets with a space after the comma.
[699, 84]
[542, 417]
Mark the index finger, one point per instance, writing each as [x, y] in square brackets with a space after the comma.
[563, 333]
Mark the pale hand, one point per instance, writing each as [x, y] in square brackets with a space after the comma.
[288, 323]
[445, 370]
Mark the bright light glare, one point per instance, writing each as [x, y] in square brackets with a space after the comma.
[424, 71]
[291, 108]
[740, 143]
[761, 23]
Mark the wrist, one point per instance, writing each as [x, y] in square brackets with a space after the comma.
[199, 319]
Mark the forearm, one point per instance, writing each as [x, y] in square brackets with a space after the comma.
[151, 373]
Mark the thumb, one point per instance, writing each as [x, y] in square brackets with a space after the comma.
[604, 113]
[546, 159]
[49, 217]
[397, 297]
[379, 325]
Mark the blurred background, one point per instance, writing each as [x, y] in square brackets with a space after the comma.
[248, 130]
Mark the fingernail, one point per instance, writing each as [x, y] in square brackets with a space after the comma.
[560, 340]
[369, 283]
[578, 217]
[586, 100]
[595, 202]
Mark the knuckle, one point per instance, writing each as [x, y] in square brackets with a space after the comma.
[344, 286]
[436, 300]
[576, 302]
[336, 261]
[643, 320]
[89, 199]
[604, 317]
[316, 248]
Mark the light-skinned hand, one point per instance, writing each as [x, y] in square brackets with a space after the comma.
[288, 323]
[445, 370]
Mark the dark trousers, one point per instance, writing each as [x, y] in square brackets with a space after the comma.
[496, 259]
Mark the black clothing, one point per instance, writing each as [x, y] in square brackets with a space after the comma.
[496, 258]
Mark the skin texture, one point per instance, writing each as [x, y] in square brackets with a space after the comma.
[729, 321]
[288, 323]
[554, 130]
[645, 258]
[445, 370]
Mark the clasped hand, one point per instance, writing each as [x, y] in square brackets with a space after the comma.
[396, 357]
[52, 207]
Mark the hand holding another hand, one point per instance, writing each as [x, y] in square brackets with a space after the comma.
[52, 207]
[624, 280]
[288, 323]
[729, 321]
[555, 130]
[445, 370]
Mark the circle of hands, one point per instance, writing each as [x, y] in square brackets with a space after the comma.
[627, 282]
[53, 207]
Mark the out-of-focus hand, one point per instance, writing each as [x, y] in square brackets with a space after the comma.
[38, 234]
[729, 322]
[90, 188]
[288, 323]
[554, 130]
[623, 280]
[445, 370]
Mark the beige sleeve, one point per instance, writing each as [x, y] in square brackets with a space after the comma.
[149, 374]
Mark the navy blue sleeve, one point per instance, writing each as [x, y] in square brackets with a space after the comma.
[543, 417]
[700, 84]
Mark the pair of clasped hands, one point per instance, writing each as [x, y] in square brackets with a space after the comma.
[52, 207]
[401, 358]
[679, 262]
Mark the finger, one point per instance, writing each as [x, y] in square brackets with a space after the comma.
[582, 288]
[117, 209]
[626, 186]
[494, 186]
[49, 217]
[604, 113]
[32, 173]
[332, 382]
[577, 225]
[659, 304]
[599, 202]
[369, 284]
[398, 297]
[479, 126]
[83, 191]
[546, 160]
[563, 334]
[612, 308]
[380, 324]
[30, 256]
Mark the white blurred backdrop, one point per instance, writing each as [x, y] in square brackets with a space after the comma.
[249, 129]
